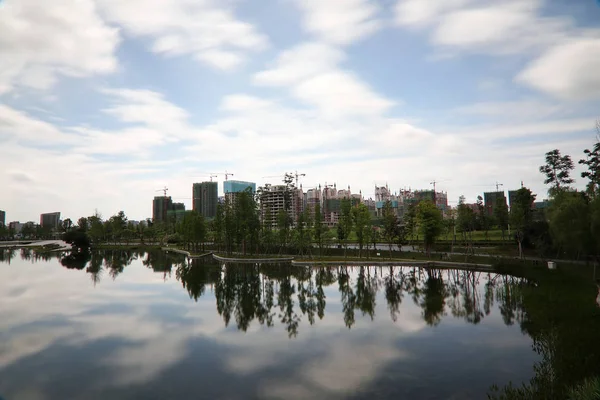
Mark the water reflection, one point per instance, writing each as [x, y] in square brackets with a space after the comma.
[461, 331]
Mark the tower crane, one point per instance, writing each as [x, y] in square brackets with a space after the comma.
[164, 190]
[227, 174]
[296, 175]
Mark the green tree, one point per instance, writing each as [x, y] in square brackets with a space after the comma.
[557, 170]
[569, 221]
[465, 221]
[346, 221]
[247, 220]
[319, 229]
[521, 216]
[501, 214]
[96, 230]
[66, 225]
[483, 221]
[410, 221]
[592, 163]
[390, 224]
[362, 222]
[82, 224]
[431, 223]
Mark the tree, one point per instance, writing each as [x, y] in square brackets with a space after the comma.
[483, 221]
[320, 229]
[67, 224]
[521, 215]
[569, 221]
[390, 224]
[409, 219]
[592, 162]
[557, 170]
[77, 238]
[96, 230]
[431, 224]
[362, 222]
[346, 221]
[501, 214]
[82, 224]
[465, 221]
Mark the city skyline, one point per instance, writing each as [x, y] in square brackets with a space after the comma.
[118, 104]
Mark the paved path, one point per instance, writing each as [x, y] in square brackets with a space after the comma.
[35, 243]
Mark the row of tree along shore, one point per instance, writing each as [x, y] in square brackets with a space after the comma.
[568, 228]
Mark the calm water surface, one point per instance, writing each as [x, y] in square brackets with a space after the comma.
[127, 325]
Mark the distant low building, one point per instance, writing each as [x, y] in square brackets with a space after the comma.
[15, 226]
[50, 220]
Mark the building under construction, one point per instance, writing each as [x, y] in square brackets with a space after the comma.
[205, 198]
[491, 199]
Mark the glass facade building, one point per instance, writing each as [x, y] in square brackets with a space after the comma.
[238, 186]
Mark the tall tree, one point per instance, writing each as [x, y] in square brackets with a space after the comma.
[346, 221]
[557, 170]
[592, 162]
[521, 215]
[465, 221]
[362, 222]
[319, 229]
[390, 224]
[569, 220]
[501, 214]
[430, 222]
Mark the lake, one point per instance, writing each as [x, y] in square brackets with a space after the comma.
[135, 325]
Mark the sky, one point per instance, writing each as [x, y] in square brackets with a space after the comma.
[104, 102]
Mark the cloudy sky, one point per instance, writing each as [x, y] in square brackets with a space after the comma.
[102, 102]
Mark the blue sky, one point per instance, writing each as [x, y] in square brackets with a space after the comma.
[102, 102]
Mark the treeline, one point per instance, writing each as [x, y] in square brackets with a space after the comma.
[570, 226]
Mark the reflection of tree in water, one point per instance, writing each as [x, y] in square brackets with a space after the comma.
[434, 297]
[76, 259]
[161, 261]
[394, 286]
[195, 275]
[6, 255]
[348, 298]
[559, 313]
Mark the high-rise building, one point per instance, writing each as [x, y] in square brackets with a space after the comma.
[205, 198]
[50, 220]
[490, 200]
[2, 218]
[231, 188]
[238, 186]
[272, 201]
[511, 197]
[160, 208]
[176, 212]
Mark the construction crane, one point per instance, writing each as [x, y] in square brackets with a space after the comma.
[295, 175]
[227, 174]
[164, 190]
[213, 176]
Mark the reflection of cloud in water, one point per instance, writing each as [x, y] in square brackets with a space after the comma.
[144, 329]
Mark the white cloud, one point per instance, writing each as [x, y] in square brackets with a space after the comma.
[565, 57]
[339, 93]
[303, 61]
[567, 71]
[208, 30]
[39, 43]
[311, 72]
[340, 21]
